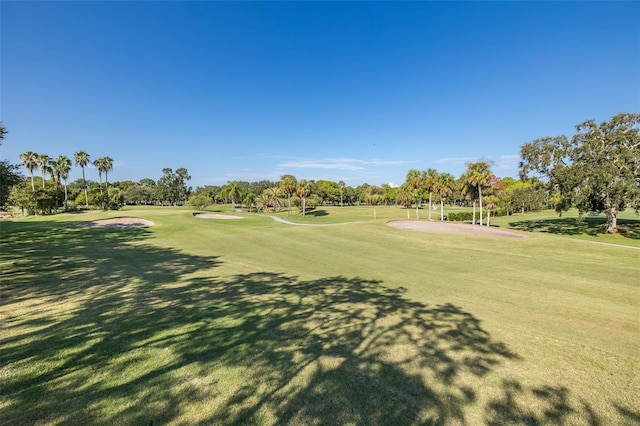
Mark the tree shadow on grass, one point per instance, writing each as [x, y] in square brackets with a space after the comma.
[317, 213]
[592, 226]
[109, 329]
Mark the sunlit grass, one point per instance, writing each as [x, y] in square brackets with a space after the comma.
[258, 322]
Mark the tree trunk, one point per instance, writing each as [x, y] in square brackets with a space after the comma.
[430, 206]
[480, 192]
[612, 221]
[474, 212]
[417, 205]
[289, 199]
[304, 206]
[86, 194]
[408, 217]
[488, 217]
[441, 209]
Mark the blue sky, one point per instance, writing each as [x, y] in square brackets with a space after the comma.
[353, 91]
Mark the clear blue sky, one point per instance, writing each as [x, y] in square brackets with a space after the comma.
[353, 91]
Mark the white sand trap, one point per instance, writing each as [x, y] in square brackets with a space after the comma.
[216, 216]
[117, 222]
[453, 228]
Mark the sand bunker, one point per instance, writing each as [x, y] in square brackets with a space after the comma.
[453, 228]
[117, 222]
[215, 216]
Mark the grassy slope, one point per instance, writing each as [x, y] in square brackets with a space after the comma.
[255, 321]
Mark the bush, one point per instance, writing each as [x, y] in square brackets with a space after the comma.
[461, 216]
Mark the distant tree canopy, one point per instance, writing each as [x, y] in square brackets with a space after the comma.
[597, 170]
[9, 177]
[172, 186]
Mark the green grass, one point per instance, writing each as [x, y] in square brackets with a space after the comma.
[196, 321]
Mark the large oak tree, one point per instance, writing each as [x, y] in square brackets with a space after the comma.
[597, 170]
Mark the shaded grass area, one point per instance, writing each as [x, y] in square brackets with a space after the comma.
[118, 329]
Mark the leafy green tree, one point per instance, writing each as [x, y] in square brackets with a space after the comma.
[81, 159]
[303, 189]
[21, 197]
[3, 132]
[183, 177]
[30, 161]
[288, 185]
[478, 175]
[199, 201]
[444, 186]
[597, 170]
[9, 177]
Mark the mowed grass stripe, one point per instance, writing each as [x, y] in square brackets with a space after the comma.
[254, 321]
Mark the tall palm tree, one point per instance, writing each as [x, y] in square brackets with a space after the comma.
[104, 165]
[414, 181]
[288, 185]
[469, 192]
[63, 166]
[429, 178]
[444, 185]
[303, 189]
[29, 159]
[99, 164]
[81, 159]
[479, 175]
[43, 162]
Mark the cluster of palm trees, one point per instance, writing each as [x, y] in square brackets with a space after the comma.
[271, 197]
[420, 183]
[60, 167]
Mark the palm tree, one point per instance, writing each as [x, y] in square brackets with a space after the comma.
[81, 159]
[479, 175]
[29, 159]
[414, 181]
[429, 178]
[341, 186]
[491, 203]
[303, 189]
[373, 197]
[469, 192]
[274, 193]
[444, 185]
[99, 164]
[43, 162]
[405, 197]
[63, 166]
[262, 201]
[232, 190]
[288, 185]
[104, 164]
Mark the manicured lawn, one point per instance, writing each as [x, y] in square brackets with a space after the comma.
[251, 321]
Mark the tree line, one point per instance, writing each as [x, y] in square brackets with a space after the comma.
[597, 170]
